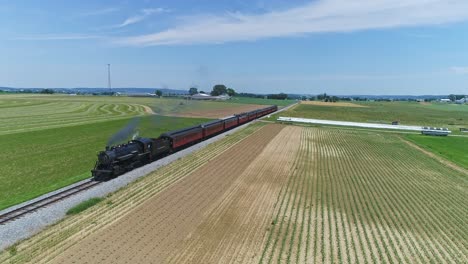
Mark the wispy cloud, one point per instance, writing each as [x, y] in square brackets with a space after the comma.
[316, 17]
[99, 12]
[459, 70]
[58, 37]
[144, 14]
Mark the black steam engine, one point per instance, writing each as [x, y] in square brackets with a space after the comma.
[119, 159]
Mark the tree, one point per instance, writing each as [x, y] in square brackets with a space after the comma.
[158, 93]
[322, 97]
[202, 92]
[230, 92]
[219, 89]
[47, 91]
[281, 96]
[193, 91]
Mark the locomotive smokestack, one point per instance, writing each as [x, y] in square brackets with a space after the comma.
[107, 148]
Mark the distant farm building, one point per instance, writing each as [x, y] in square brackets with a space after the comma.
[201, 96]
[445, 100]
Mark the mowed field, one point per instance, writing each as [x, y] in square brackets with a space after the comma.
[50, 141]
[23, 112]
[274, 193]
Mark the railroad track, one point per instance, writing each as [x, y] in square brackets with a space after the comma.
[17, 213]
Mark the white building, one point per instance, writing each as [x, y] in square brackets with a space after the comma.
[445, 100]
[200, 96]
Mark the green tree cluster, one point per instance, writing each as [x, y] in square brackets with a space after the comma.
[193, 91]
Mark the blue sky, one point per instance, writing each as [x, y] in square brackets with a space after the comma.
[333, 46]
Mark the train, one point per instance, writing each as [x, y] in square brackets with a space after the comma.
[117, 160]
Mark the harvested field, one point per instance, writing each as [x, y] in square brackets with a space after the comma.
[228, 110]
[275, 194]
[342, 104]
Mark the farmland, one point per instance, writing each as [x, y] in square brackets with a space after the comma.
[51, 141]
[22, 113]
[408, 113]
[273, 193]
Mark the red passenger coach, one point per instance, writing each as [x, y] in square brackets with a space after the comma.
[231, 122]
[212, 128]
[252, 115]
[186, 136]
[243, 118]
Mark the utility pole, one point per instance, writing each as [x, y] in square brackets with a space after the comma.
[109, 78]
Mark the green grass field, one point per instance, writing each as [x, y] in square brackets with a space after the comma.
[37, 162]
[452, 148]
[25, 112]
[260, 101]
[408, 113]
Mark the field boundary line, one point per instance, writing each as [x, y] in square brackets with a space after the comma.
[440, 159]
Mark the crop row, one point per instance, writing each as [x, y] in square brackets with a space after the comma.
[367, 198]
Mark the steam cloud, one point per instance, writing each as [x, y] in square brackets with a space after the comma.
[125, 133]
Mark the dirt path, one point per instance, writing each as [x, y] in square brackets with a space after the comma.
[152, 231]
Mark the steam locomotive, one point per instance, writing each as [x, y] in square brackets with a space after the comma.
[117, 160]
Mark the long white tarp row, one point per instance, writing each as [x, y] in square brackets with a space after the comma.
[346, 123]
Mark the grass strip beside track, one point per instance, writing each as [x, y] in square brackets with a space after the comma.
[84, 205]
